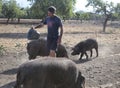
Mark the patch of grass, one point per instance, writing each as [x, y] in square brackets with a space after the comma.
[2, 50]
[18, 45]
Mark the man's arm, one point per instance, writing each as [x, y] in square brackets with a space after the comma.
[60, 35]
[39, 25]
[61, 31]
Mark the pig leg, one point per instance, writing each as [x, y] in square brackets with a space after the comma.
[91, 53]
[19, 80]
[96, 52]
[86, 55]
[32, 57]
[81, 56]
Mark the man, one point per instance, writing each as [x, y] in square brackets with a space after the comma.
[53, 23]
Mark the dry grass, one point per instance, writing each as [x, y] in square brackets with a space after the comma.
[101, 71]
[75, 33]
[13, 37]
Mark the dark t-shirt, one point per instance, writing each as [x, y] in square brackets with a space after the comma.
[53, 24]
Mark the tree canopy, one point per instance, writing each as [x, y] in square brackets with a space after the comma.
[64, 7]
[0, 5]
[104, 8]
[10, 9]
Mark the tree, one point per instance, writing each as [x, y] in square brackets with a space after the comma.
[1, 1]
[117, 8]
[117, 11]
[77, 15]
[20, 13]
[27, 14]
[80, 15]
[0, 5]
[9, 9]
[64, 7]
[104, 8]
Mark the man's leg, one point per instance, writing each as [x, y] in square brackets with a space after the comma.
[52, 45]
[53, 48]
[52, 53]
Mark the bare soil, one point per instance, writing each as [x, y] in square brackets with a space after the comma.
[100, 72]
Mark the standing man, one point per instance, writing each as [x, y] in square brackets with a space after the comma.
[54, 35]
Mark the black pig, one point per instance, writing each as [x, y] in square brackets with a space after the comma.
[39, 48]
[84, 46]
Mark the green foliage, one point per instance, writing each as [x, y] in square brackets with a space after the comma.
[2, 50]
[77, 15]
[20, 12]
[9, 9]
[64, 7]
[117, 11]
[0, 5]
[104, 8]
[82, 15]
[101, 7]
[115, 16]
[18, 45]
[0, 8]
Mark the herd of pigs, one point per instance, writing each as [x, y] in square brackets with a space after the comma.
[53, 72]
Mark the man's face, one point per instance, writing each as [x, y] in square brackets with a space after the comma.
[50, 14]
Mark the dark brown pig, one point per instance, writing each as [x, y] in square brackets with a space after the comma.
[84, 46]
[49, 73]
[39, 48]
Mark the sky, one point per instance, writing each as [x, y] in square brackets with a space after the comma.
[80, 4]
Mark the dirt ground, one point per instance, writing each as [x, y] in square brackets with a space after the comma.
[100, 72]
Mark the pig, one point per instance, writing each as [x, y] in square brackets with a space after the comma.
[49, 73]
[39, 48]
[33, 34]
[83, 46]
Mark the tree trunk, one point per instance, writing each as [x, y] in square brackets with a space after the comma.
[18, 20]
[64, 19]
[105, 23]
[12, 19]
[8, 20]
[81, 21]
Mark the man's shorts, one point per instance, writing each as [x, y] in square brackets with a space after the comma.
[52, 44]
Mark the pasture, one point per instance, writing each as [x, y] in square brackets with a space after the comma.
[100, 72]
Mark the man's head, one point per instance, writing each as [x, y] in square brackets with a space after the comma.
[51, 11]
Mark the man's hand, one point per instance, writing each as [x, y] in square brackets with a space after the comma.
[32, 27]
[59, 40]
[39, 26]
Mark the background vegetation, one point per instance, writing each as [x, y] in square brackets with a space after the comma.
[103, 11]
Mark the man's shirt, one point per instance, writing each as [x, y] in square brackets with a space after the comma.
[53, 24]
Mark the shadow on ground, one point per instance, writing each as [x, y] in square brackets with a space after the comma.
[10, 71]
[82, 61]
[82, 33]
[17, 35]
[79, 33]
[9, 85]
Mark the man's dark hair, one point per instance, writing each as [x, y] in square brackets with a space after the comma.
[52, 9]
